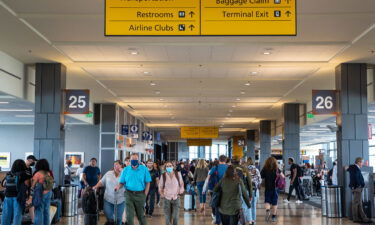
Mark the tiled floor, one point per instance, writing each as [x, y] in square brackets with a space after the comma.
[294, 214]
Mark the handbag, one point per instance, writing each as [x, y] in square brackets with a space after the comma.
[280, 181]
[216, 198]
[241, 215]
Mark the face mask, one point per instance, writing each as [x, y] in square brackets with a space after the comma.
[134, 163]
[169, 169]
[149, 169]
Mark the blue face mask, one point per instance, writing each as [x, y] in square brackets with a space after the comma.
[169, 169]
[134, 163]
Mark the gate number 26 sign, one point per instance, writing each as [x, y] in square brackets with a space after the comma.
[77, 101]
[324, 102]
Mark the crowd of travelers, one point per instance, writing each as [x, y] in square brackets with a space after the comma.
[133, 188]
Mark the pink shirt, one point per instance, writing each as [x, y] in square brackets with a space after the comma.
[172, 189]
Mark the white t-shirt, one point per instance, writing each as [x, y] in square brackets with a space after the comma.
[110, 181]
[79, 173]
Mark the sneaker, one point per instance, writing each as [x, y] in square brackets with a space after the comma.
[268, 215]
[299, 202]
[159, 204]
[213, 217]
[274, 219]
[286, 200]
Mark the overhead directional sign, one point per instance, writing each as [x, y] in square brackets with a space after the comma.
[199, 132]
[248, 17]
[156, 17]
[200, 17]
[199, 142]
[77, 101]
[324, 102]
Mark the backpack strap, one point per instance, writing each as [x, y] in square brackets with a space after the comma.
[177, 177]
[164, 178]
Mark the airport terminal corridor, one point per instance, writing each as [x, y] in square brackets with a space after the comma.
[184, 112]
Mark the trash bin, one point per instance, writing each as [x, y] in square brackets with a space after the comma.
[324, 200]
[70, 200]
[333, 198]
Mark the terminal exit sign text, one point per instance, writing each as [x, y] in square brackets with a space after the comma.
[200, 17]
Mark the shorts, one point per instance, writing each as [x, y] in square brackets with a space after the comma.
[271, 197]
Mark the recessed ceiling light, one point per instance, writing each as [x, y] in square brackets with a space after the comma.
[266, 53]
[161, 99]
[146, 72]
[254, 73]
[248, 83]
[165, 106]
[238, 99]
[243, 92]
[157, 92]
[4, 102]
[230, 111]
[152, 83]
[234, 106]
[133, 51]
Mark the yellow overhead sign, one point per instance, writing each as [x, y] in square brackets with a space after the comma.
[199, 142]
[248, 17]
[152, 17]
[199, 132]
[200, 17]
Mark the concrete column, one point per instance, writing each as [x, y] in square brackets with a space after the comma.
[107, 136]
[265, 141]
[49, 134]
[250, 134]
[291, 137]
[352, 134]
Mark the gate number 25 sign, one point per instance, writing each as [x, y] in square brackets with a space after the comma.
[324, 102]
[77, 101]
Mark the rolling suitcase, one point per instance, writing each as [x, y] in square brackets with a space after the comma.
[90, 207]
[189, 202]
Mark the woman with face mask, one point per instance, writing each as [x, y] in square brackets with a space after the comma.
[113, 198]
[171, 186]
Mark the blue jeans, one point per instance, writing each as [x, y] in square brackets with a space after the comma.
[42, 211]
[202, 197]
[12, 211]
[253, 210]
[109, 211]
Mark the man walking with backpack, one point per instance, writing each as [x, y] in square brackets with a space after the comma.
[213, 178]
[295, 182]
[171, 186]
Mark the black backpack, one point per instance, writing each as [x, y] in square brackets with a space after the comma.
[89, 202]
[11, 182]
[299, 171]
[243, 176]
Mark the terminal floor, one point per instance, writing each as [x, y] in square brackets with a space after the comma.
[294, 214]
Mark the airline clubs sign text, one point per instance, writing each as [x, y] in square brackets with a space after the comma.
[200, 17]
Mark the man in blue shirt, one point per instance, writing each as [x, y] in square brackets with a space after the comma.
[136, 179]
[91, 174]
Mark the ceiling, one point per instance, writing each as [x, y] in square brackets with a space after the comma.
[174, 81]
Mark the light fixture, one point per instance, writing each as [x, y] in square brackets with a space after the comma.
[254, 73]
[157, 92]
[152, 83]
[234, 106]
[243, 92]
[267, 53]
[248, 83]
[230, 111]
[4, 102]
[161, 99]
[16, 110]
[133, 51]
[238, 99]
[25, 116]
